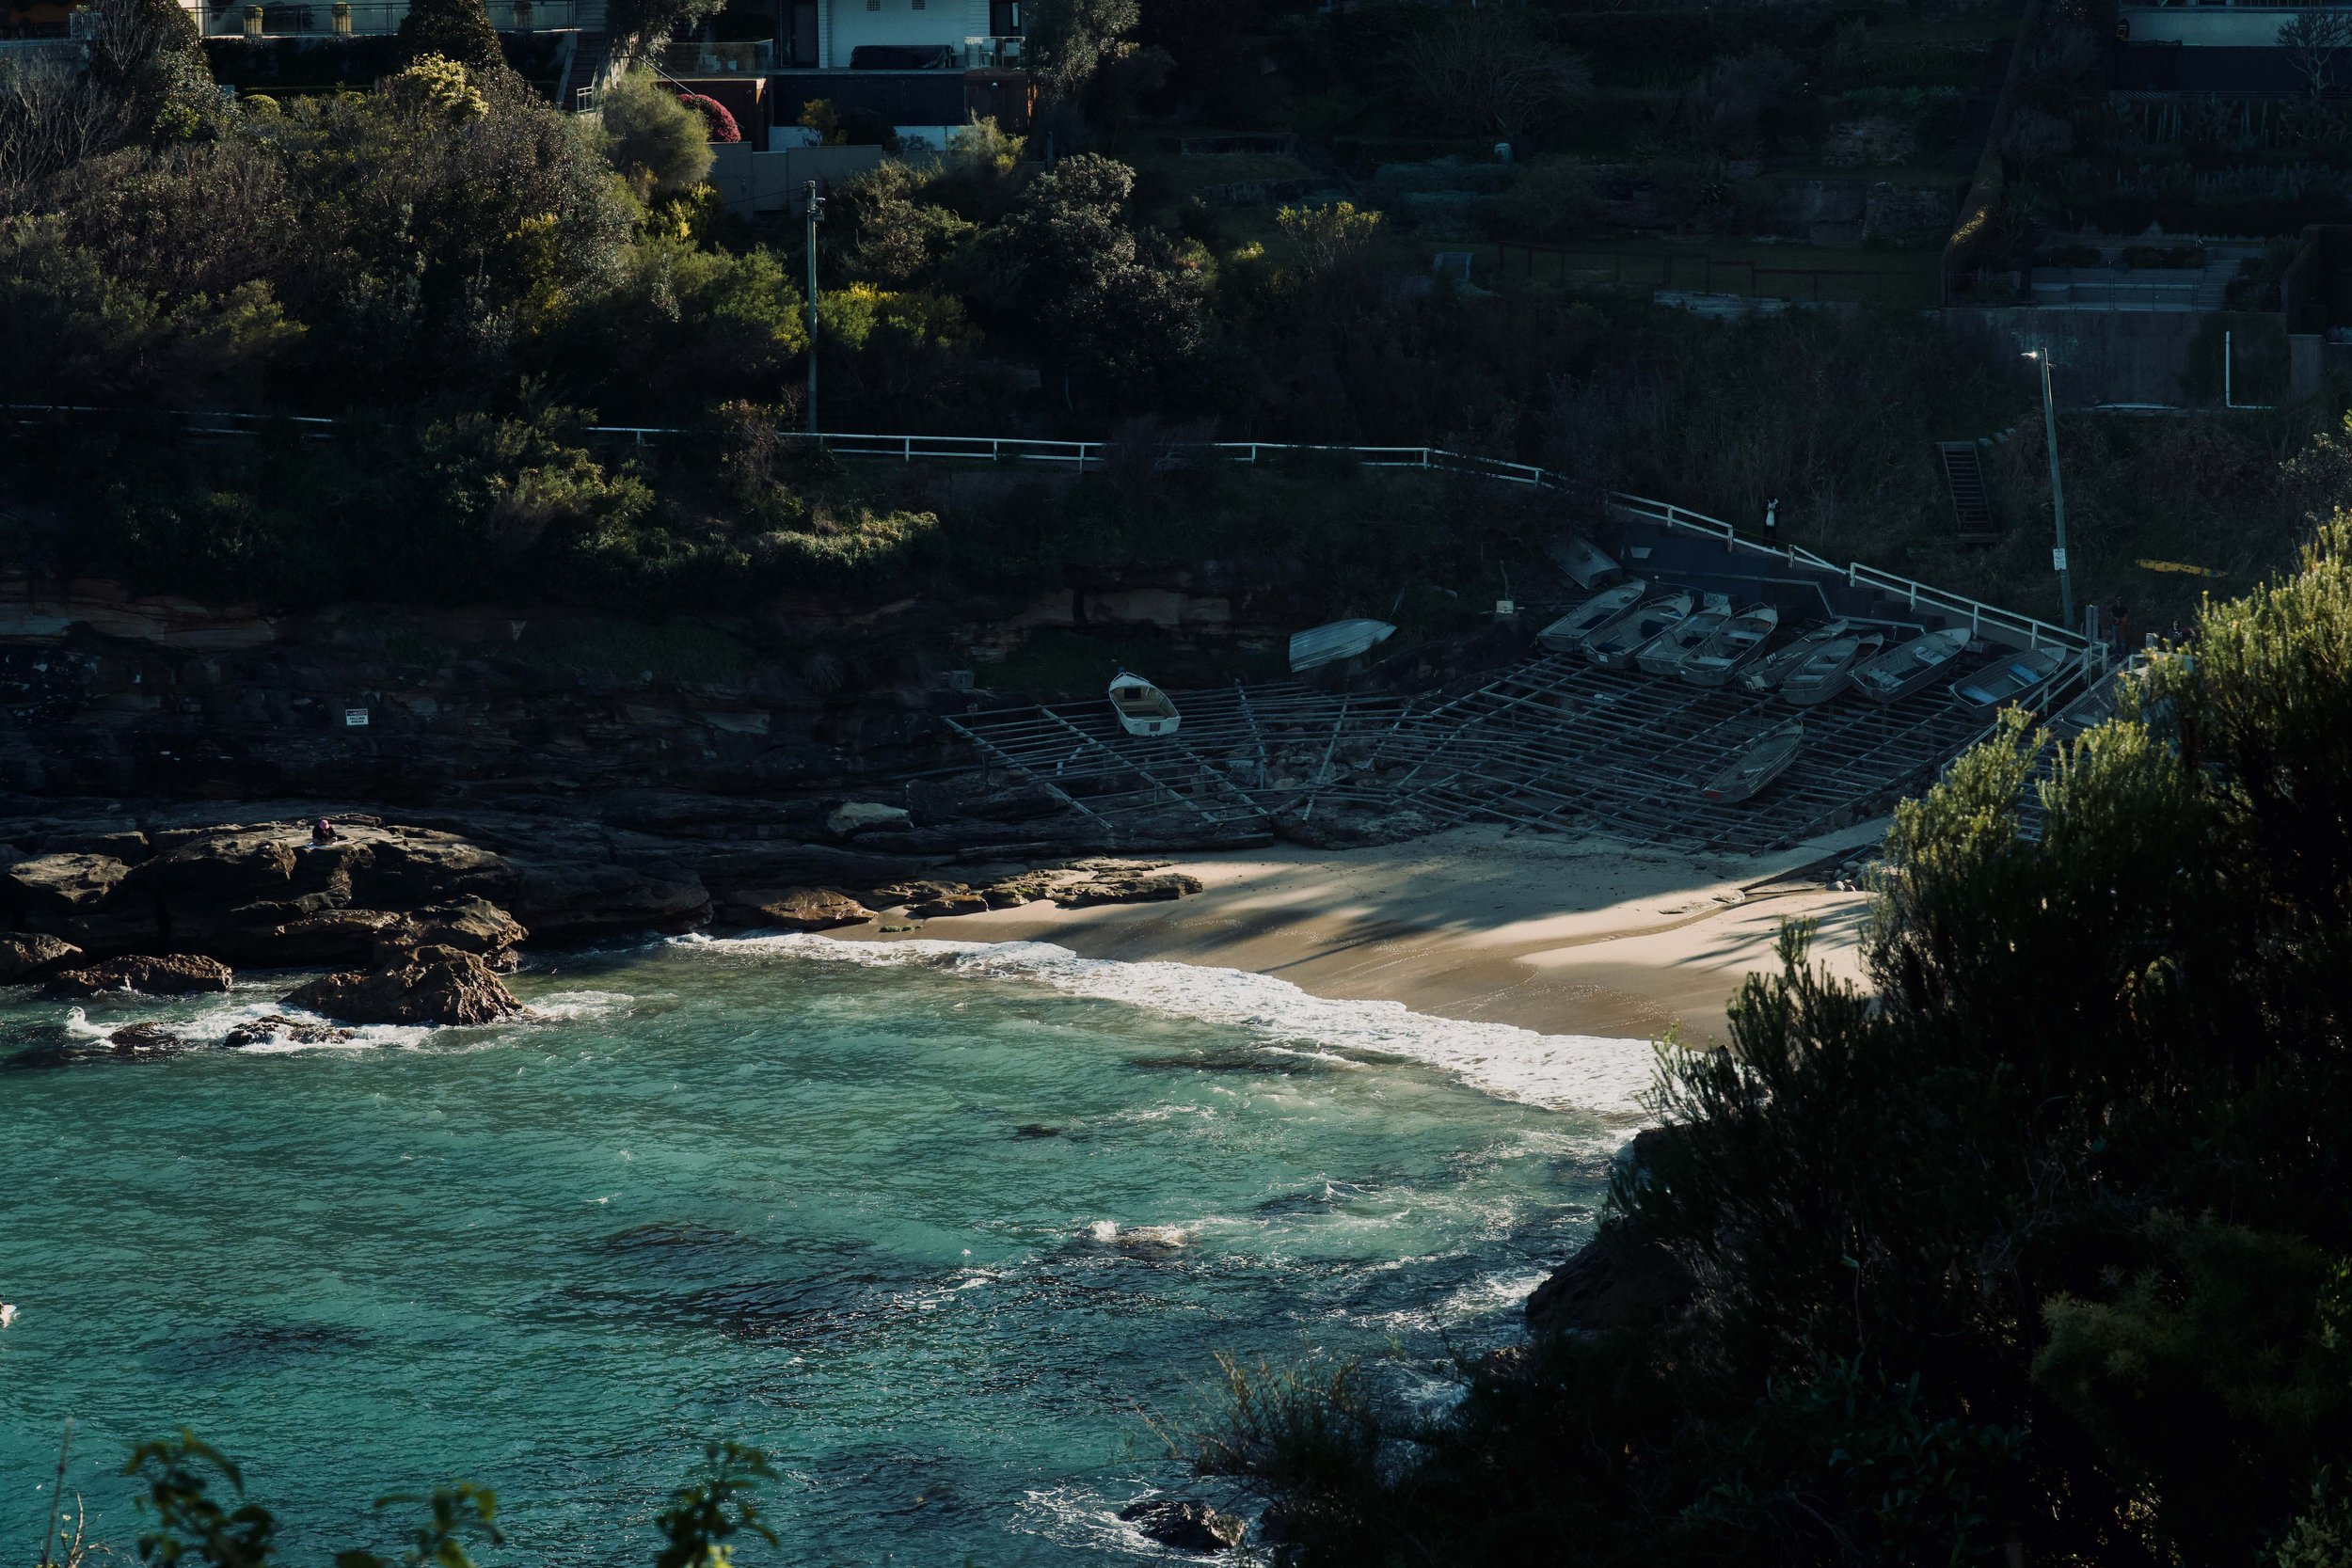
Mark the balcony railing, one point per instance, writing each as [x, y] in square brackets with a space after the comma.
[361, 18]
[753, 57]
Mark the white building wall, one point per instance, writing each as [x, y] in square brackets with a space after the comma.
[846, 24]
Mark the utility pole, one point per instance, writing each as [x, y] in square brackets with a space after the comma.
[815, 213]
[2058, 493]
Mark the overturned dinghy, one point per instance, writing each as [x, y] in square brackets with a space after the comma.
[1142, 707]
[1567, 634]
[1617, 646]
[1756, 765]
[1340, 640]
[2009, 679]
[1663, 654]
[1588, 566]
[1731, 647]
[1827, 673]
[1779, 665]
[1899, 671]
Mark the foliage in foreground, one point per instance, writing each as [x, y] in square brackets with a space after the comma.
[2045, 1248]
[195, 1511]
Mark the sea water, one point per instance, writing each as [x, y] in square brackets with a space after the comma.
[955, 1233]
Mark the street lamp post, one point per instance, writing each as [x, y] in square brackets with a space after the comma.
[2058, 493]
[815, 213]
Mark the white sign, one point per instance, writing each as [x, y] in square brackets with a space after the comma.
[355, 718]
[1504, 607]
[2057, 559]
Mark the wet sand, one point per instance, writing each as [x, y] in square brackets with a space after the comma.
[1557, 934]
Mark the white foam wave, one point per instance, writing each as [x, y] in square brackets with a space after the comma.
[1589, 1072]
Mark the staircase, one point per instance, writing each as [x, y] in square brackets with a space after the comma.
[585, 66]
[1963, 471]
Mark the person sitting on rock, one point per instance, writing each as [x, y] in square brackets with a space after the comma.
[323, 832]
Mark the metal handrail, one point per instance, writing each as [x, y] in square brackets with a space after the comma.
[997, 448]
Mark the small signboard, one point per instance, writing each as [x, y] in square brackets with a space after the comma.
[1506, 606]
[355, 718]
[2057, 559]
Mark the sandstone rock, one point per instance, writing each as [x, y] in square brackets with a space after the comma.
[60, 886]
[332, 936]
[1153, 888]
[433, 985]
[1618, 1279]
[411, 866]
[800, 909]
[949, 904]
[232, 865]
[754, 863]
[571, 899]
[169, 974]
[270, 1026]
[1186, 1525]
[891, 894]
[24, 954]
[853, 817]
[471, 926]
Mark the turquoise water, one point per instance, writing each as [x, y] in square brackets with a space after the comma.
[938, 1229]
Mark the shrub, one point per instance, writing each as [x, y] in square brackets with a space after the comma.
[658, 143]
[721, 121]
[457, 29]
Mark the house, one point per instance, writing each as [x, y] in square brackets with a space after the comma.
[2227, 50]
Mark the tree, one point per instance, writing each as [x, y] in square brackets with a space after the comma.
[658, 142]
[639, 26]
[2032, 137]
[458, 30]
[1483, 71]
[1329, 240]
[2312, 40]
[1069, 40]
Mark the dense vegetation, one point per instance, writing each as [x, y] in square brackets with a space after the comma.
[2042, 1247]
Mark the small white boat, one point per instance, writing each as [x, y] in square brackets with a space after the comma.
[1731, 648]
[1142, 707]
[2008, 678]
[1588, 566]
[1899, 671]
[1781, 663]
[1616, 646]
[1663, 654]
[1827, 673]
[1756, 764]
[1339, 640]
[1568, 633]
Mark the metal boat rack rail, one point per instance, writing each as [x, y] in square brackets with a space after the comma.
[1549, 743]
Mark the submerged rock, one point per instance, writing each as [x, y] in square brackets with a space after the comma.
[169, 974]
[24, 954]
[432, 985]
[1185, 1524]
[146, 1039]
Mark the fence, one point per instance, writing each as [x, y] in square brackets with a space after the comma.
[359, 17]
[1698, 273]
[1079, 454]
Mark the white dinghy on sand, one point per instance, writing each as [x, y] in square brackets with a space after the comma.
[1142, 707]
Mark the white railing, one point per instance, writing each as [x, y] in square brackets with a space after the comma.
[1980, 616]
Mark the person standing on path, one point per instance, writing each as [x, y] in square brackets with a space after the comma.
[1772, 524]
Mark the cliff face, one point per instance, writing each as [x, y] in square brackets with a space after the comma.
[105, 693]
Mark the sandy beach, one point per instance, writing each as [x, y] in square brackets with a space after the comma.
[1559, 934]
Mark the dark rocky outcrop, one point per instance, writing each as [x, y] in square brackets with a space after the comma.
[165, 974]
[799, 908]
[25, 955]
[1125, 888]
[1618, 1279]
[433, 985]
[1187, 1525]
[272, 1027]
[474, 926]
[146, 1039]
[63, 885]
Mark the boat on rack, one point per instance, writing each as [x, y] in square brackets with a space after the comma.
[1899, 671]
[1827, 673]
[1586, 563]
[2007, 679]
[1142, 707]
[1663, 654]
[1731, 648]
[1617, 646]
[1339, 640]
[1568, 633]
[1782, 662]
[1756, 764]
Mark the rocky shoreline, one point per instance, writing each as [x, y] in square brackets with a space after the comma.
[415, 918]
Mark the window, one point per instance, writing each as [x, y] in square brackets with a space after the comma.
[873, 4]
